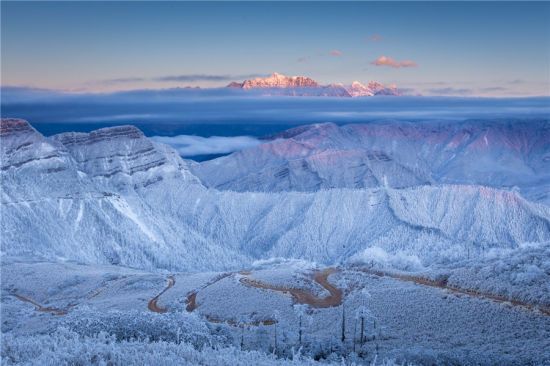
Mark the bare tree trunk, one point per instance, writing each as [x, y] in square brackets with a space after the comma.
[362, 330]
[300, 332]
[354, 338]
[343, 323]
[242, 337]
[275, 346]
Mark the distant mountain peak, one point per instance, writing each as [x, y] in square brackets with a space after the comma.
[279, 84]
[277, 80]
[357, 89]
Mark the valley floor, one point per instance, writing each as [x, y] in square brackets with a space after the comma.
[56, 313]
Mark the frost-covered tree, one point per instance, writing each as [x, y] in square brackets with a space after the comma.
[276, 319]
[362, 313]
[243, 322]
[300, 311]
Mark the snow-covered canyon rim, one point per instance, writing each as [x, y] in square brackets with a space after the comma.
[421, 194]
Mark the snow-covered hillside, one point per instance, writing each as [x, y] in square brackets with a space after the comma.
[500, 154]
[105, 316]
[113, 196]
[248, 282]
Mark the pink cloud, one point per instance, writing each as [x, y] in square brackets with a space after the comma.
[388, 61]
[335, 53]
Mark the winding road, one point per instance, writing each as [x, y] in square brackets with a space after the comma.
[63, 311]
[457, 290]
[44, 309]
[302, 296]
[191, 298]
[152, 304]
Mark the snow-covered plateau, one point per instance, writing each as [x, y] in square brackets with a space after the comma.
[381, 243]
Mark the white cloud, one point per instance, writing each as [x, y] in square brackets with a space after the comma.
[188, 145]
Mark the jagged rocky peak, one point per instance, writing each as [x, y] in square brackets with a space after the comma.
[279, 84]
[375, 86]
[359, 90]
[334, 90]
[390, 89]
[277, 80]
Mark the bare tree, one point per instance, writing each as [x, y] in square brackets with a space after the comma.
[343, 335]
[354, 338]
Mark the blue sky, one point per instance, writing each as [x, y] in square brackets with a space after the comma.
[443, 48]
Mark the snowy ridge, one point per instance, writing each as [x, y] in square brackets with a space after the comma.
[22, 145]
[122, 154]
[468, 213]
[278, 84]
[28, 156]
[277, 80]
[151, 212]
[502, 154]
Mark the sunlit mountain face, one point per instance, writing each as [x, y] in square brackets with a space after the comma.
[263, 183]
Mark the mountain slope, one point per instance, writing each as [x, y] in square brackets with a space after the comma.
[502, 154]
[112, 196]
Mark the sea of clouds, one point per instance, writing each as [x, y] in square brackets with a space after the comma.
[219, 121]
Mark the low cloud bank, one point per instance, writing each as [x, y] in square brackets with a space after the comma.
[233, 108]
[187, 145]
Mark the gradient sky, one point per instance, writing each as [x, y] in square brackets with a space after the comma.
[444, 48]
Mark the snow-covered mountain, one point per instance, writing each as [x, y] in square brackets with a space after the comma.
[357, 89]
[278, 84]
[277, 80]
[501, 154]
[113, 196]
